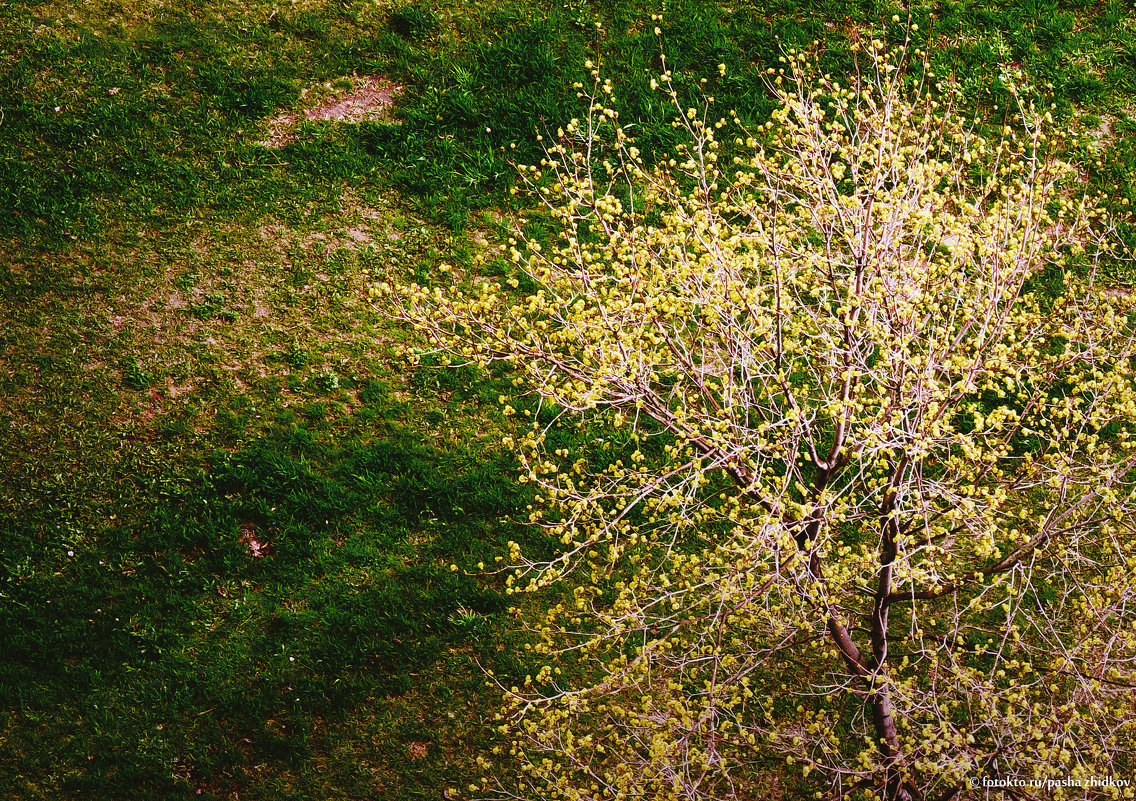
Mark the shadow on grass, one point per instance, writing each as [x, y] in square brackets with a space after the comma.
[248, 622]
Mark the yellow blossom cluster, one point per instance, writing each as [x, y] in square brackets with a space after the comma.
[852, 493]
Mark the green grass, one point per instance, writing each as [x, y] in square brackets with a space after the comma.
[168, 404]
[157, 112]
[189, 362]
[202, 644]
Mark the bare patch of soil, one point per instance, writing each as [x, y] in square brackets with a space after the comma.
[1125, 294]
[369, 99]
[252, 540]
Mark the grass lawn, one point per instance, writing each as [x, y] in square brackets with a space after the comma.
[229, 509]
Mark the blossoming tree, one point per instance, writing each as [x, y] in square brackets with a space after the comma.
[847, 492]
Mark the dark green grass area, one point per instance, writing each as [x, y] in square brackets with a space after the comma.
[229, 518]
[151, 111]
[248, 619]
[482, 86]
[110, 116]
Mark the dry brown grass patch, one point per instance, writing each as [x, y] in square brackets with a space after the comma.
[369, 99]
